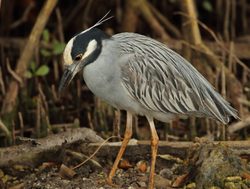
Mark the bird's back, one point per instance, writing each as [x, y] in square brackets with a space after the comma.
[163, 81]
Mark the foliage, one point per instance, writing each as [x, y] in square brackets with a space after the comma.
[49, 50]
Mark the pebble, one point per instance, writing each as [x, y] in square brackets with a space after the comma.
[247, 182]
[191, 186]
[167, 173]
[214, 187]
[142, 184]
[243, 186]
[1, 173]
[233, 179]
[231, 185]
[142, 166]
[131, 187]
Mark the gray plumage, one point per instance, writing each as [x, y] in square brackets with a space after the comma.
[163, 81]
[139, 74]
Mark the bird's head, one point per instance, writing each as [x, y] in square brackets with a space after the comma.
[81, 50]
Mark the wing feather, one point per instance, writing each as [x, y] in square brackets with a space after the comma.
[162, 80]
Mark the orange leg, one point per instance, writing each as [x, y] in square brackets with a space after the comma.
[127, 136]
[154, 148]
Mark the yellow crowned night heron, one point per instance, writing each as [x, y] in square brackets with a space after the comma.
[138, 74]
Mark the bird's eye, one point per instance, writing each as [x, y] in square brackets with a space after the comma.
[78, 57]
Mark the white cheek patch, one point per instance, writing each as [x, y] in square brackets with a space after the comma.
[67, 53]
[91, 48]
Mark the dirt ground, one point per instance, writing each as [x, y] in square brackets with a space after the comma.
[206, 166]
[88, 176]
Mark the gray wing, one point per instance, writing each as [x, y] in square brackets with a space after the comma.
[161, 80]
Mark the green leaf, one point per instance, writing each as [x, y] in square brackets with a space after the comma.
[58, 47]
[45, 53]
[46, 35]
[42, 70]
[33, 66]
[28, 74]
[207, 5]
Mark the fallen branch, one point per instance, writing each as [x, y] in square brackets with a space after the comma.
[138, 149]
[46, 149]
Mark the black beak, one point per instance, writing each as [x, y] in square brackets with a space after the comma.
[68, 75]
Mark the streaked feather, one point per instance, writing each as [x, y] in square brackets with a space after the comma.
[161, 80]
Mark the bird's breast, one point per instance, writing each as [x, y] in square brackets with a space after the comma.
[103, 78]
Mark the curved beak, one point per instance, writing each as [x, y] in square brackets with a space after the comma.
[69, 74]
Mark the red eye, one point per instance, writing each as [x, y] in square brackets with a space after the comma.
[78, 57]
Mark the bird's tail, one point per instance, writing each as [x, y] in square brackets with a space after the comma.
[219, 108]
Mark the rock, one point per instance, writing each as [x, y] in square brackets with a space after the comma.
[167, 173]
[161, 182]
[232, 185]
[142, 166]
[233, 179]
[142, 184]
[214, 164]
[243, 186]
[131, 187]
[247, 182]
[191, 186]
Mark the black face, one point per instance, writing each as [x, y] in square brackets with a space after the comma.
[79, 55]
[81, 42]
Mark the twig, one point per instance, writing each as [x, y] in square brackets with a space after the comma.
[144, 9]
[130, 17]
[43, 98]
[60, 25]
[86, 12]
[194, 36]
[38, 116]
[12, 73]
[230, 60]
[5, 129]
[2, 82]
[244, 102]
[24, 16]
[27, 53]
[218, 41]
[239, 125]
[235, 87]
[73, 13]
[54, 93]
[21, 123]
[226, 19]
[92, 155]
[233, 19]
[167, 24]
[81, 156]
[91, 125]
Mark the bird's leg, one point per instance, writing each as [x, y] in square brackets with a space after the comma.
[154, 148]
[127, 136]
